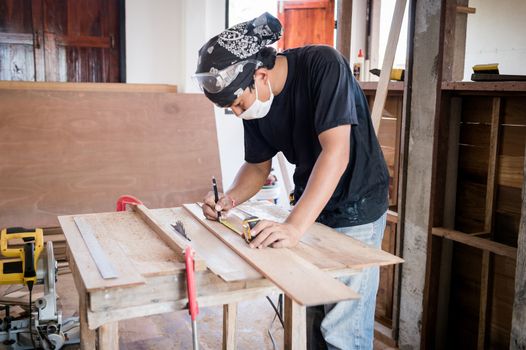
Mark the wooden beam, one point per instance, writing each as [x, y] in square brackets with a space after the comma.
[518, 331]
[476, 242]
[172, 239]
[424, 113]
[390, 51]
[343, 30]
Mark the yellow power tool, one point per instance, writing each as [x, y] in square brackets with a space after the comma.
[21, 265]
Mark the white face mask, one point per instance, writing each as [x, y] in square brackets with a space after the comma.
[258, 109]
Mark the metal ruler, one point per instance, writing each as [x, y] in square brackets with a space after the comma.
[101, 260]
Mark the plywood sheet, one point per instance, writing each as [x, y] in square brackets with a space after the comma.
[74, 152]
[299, 279]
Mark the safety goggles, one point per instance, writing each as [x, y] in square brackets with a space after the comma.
[217, 80]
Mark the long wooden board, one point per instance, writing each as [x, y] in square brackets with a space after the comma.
[299, 279]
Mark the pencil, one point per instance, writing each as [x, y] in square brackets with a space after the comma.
[216, 195]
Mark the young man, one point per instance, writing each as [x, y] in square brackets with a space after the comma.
[305, 103]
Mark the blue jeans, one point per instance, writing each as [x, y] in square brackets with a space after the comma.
[350, 324]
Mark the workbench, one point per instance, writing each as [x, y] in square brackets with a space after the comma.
[152, 280]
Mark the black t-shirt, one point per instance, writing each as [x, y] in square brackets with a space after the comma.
[321, 93]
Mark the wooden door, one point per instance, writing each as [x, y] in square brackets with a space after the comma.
[306, 22]
[60, 40]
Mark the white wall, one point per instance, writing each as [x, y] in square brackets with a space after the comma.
[386, 16]
[162, 41]
[496, 33]
[153, 32]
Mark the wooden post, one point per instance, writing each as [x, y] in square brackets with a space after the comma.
[295, 325]
[424, 111]
[343, 30]
[109, 336]
[518, 331]
[229, 326]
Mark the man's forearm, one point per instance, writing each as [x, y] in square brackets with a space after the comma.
[249, 180]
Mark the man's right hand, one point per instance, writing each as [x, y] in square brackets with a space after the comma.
[210, 208]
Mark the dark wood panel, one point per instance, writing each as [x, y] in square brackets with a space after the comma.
[464, 298]
[476, 109]
[512, 140]
[66, 152]
[55, 16]
[470, 206]
[473, 163]
[15, 16]
[502, 302]
[514, 111]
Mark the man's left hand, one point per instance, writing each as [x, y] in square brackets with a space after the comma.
[269, 233]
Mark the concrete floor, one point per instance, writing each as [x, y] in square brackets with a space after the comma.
[173, 330]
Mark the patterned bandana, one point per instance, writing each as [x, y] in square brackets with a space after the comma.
[238, 43]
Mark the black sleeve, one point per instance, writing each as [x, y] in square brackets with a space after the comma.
[332, 91]
[257, 149]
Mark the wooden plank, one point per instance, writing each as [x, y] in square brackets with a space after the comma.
[295, 325]
[91, 278]
[477, 242]
[518, 331]
[229, 326]
[99, 257]
[172, 239]
[282, 267]
[390, 51]
[160, 147]
[343, 30]
[100, 87]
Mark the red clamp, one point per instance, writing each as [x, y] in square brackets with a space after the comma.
[126, 199]
[193, 309]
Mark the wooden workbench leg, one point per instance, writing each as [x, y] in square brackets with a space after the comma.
[109, 336]
[295, 325]
[229, 326]
[88, 337]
